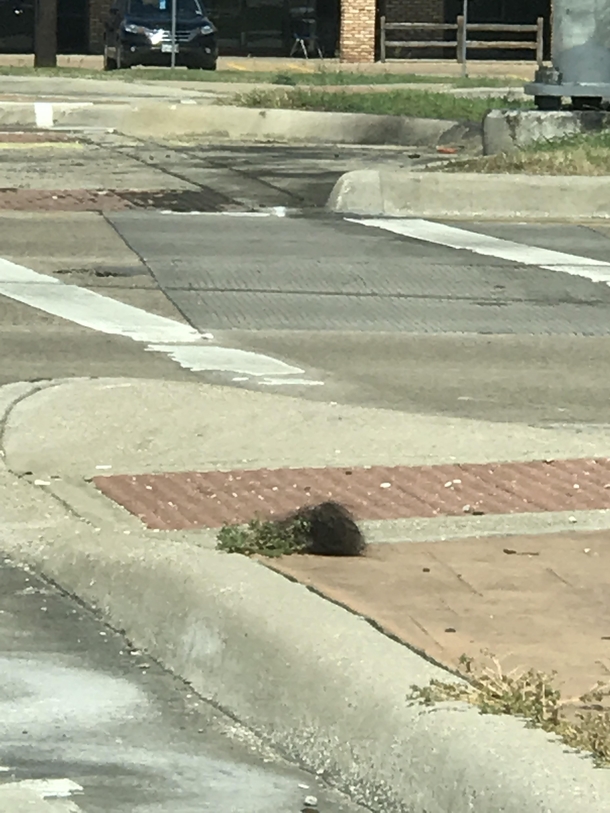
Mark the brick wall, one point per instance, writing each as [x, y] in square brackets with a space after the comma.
[358, 21]
[415, 11]
[358, 18]
[98, 12]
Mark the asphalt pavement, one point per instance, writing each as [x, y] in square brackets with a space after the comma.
[380, 319]
[89, 723]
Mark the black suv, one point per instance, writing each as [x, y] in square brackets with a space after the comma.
[138, 32]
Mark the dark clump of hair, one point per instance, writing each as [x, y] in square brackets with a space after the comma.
[329, 529]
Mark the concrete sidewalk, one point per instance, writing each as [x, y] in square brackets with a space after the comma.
[533, 601]
[317, 681]
[428, 67]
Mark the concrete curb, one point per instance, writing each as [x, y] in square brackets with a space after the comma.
[158, 119]
[470, 195]
[510, 130]
[290, 125]
[64, 115]
[317, 682]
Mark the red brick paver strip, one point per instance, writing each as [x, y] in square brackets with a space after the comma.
[35, 137]
[183, 500]
[62, 200]
[100, 200]
[538, 602]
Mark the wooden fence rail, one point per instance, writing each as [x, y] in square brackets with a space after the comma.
[461, 43]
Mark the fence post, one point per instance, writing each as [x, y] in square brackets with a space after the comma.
[465, 11]
[460, 38]
[382, 49]
[540, 41]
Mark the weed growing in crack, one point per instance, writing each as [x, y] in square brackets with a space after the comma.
[581, 723]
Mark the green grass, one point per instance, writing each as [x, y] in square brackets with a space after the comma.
[264, 537]
[305, 77]
[418, 103]
[588, 141]
[325, 77]
[576, 155]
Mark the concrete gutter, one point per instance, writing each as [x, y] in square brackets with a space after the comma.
[188, 117]
[402, 193]
[318, 683]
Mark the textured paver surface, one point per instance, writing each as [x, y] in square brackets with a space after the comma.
[79, 200]
[176, 501]
[532, 601]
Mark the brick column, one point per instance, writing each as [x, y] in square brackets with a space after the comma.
[98, 12]
[358, 30]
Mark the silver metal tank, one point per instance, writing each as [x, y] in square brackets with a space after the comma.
[580, 52]
[581, 40]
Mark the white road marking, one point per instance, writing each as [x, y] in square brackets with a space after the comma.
[225, 359]
[274, 211]
[43, 113]
[281, 382]
[40, 795]
[462, 239]
[50, 788]
[88, 308]
[182, 343]
[215, 214]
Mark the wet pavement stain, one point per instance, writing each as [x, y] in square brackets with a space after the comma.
[80, 708]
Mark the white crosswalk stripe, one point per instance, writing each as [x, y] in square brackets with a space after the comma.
[464, 240]
[39, 796]
[183, 344]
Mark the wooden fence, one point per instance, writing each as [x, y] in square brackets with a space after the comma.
[461, 43]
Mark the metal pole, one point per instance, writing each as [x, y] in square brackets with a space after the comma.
[465, 40]
[540, 42]
[174, 15]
